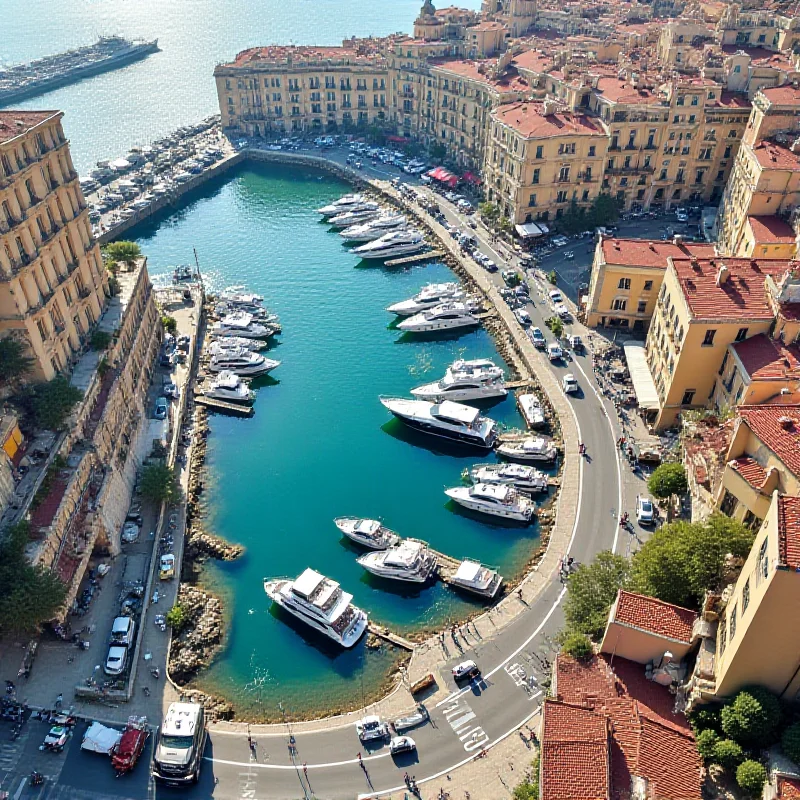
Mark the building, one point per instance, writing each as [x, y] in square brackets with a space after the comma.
[53, 286]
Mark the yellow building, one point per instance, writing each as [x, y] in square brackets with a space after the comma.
[296, 89]
[767, 237]
[53, 285]
[626, 278]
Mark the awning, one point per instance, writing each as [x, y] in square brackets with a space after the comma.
[398, 139]
[443, 175]
[646, 394]
[529, 230]
[472, 178]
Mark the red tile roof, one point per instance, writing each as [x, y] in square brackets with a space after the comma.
[787, 95]
[526, 118]
[650, 253]
[653, 616]
[619, 91]
[764, 359]
[750, 470]
[509, 82]
[788, 788]
[776, 156]
[789, 531]
[15, 123]
[782, 438]
[742, 296]
[771, 229]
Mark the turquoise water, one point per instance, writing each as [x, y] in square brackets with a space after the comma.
[107, 114]
[320, 444]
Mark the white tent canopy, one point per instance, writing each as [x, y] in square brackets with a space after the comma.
[529, 230]
[100, 739]
[646, 393]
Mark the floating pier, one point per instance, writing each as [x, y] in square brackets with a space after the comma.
[415, 259]
[388, 636]
[223, 405]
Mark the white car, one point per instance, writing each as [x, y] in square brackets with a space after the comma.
[116, 660]
[575, 342]
[523, 317]
[555, 296]
[401, 744]
[554, 351]
[537, 337]
[562, 311]
[645, 513]
[466, 670]
[560, 241]
[370, 728]
[569, 383]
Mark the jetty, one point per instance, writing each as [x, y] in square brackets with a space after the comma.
[415, 259]
[388, 636]
[446, 566]
[223, 405]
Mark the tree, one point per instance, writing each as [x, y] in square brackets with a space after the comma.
[489, 211]
[176, 618]
[14, 361]
[592, 589]
[100, 340]
[529, 788]
[706, 742]
[790, 742]
[604, 211]
[552, 277]
[682, 560]
[706, 717]
[578, 646]
[169, 323]
[751, 776]
[159, 484]
[728, 753]
[556, 326]
[123, 252]
[505, 225]
[668, 480]
[753, 716]
[49, 404]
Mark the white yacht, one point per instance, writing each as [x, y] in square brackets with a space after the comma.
[369, 212]
[242, 362]
[408, 561]
[241, 298]
[258, 313]
[532, 410]
[342, 205]
[374, 229]
[521, 476]
[396, 243]
[447, 419]
[446, 316]
[229, 386]
[367, 532]
[465, 380]
[234, 343]
[240, 324]
[534, 448]
[319, 602]
[433, 294]
[474, 577]
[499, 500]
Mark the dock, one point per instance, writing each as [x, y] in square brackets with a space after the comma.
[524, 383]
[416, 259]
[224, 405]
[446, 566]
[388, 636]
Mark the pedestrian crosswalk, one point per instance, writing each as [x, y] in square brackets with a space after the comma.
[463, 720]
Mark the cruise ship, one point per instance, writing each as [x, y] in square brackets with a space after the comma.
[396, 243]
[367, 532]
[495, 499]
[44, 74]
[409, 561]
[320, 602]
[374, 229]
[534, 448]
[447, 420]
[521, 476]
[242, 362]
[444, 317]
[344, 204]
[429, 296]
[478, 379]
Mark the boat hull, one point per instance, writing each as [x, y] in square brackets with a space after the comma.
[519, 515]
[518, 455]
[454, 436]
[490, 592]
[444, 325]
[458, 395]
[347, 525]
[393, 576]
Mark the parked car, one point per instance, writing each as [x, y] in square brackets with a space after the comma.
[116, 660]
[554, 351]
[555, 296]
[166, 567]
[575, 343]
[523, 317]
[570, 384]
[466, 670]
[162, 408]
[645, 513]
[401, 744]
[370, 728]
[122, 629]
[562, 311]
[537, 337]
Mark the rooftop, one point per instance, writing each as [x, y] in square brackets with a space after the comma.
[650, 253]
[750, 470]
[15, 123]
[508, 82]
[771, 229]
[281, 54]
[620, 91]
[527, 119]
[778, 428]
[789, 531]
[764, 359]
[653, 616]
[772, 155]
[787, 95]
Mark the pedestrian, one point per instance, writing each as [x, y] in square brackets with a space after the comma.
[59, 700]
[305, 770]
[358, 755]
[519, 593]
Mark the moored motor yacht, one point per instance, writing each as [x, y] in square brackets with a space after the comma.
[343, 204]
[534, 448]
[240, 324]
[368, 212]
[521, 476]
[446, 316]
[409, 561]
[465, 380]
[242, 362]
[447, 419]
[374, 228]
[234, 343]
[258, 313]
[433, 294]
[241, 298]
[320, 602]
[474, 577]
[229, 386]
[367, 532]
[532, 410]
[499, 500]
[395, 243]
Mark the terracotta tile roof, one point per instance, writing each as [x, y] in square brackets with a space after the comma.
[787, 95]
[14, 123]
[782, 438]
[789, 531]
[583, 684]
[621, 92]
[771, 229]
[742, 296]
[574, 753]
[776, 156]
[509, 82]
[789, 788]
[653, 616]
[764, 359]
[526, 118]
[750, 470]
[650, 253]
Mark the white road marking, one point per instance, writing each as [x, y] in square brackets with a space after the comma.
[255, 765]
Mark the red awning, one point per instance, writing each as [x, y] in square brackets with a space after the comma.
[398, 139]
[438, 173]
[472, 178]
[451, 181]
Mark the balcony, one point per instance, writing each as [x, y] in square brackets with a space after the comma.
[630, 170]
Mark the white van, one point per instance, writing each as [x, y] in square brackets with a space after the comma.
[122, 631]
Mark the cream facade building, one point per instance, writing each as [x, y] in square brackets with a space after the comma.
[53, 285]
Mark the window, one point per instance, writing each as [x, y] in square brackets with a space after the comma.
[763, 561]
[741, 335]
[585, 195]
[694, 100]
[737, 69]
[536, 176]
[745, 595]
[722, 633]
[708, 339]
[561, 197]
[563, 175]
[539, 149]
[532, 200]
[591, 150]
[724, 362]
[624, 283]
[648, 286]
[642, 308]
[732, 622]
[619, 304]
[680, 101]
[688, 397]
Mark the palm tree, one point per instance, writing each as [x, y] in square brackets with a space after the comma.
[122, 252]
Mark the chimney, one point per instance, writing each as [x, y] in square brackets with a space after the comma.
[722, 275]
[677, 239]
[786, 422]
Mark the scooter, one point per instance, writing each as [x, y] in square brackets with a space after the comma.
[37, 779]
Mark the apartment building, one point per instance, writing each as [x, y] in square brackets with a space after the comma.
[268, 90]
[53, 286]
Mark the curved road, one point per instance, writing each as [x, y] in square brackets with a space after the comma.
[472, 717]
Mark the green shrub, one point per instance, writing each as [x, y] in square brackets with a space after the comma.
[752, 717]
[176, 618]
[706, 742]
[728, 753]
[578, 646]
[556, 326]
[169, 323]
[790, 742]
[100, 340]
[706, 717]
[751, 775]
[552, 277]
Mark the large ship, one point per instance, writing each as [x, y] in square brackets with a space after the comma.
[36, 77]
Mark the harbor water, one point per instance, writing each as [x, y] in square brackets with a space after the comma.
[320, 444]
